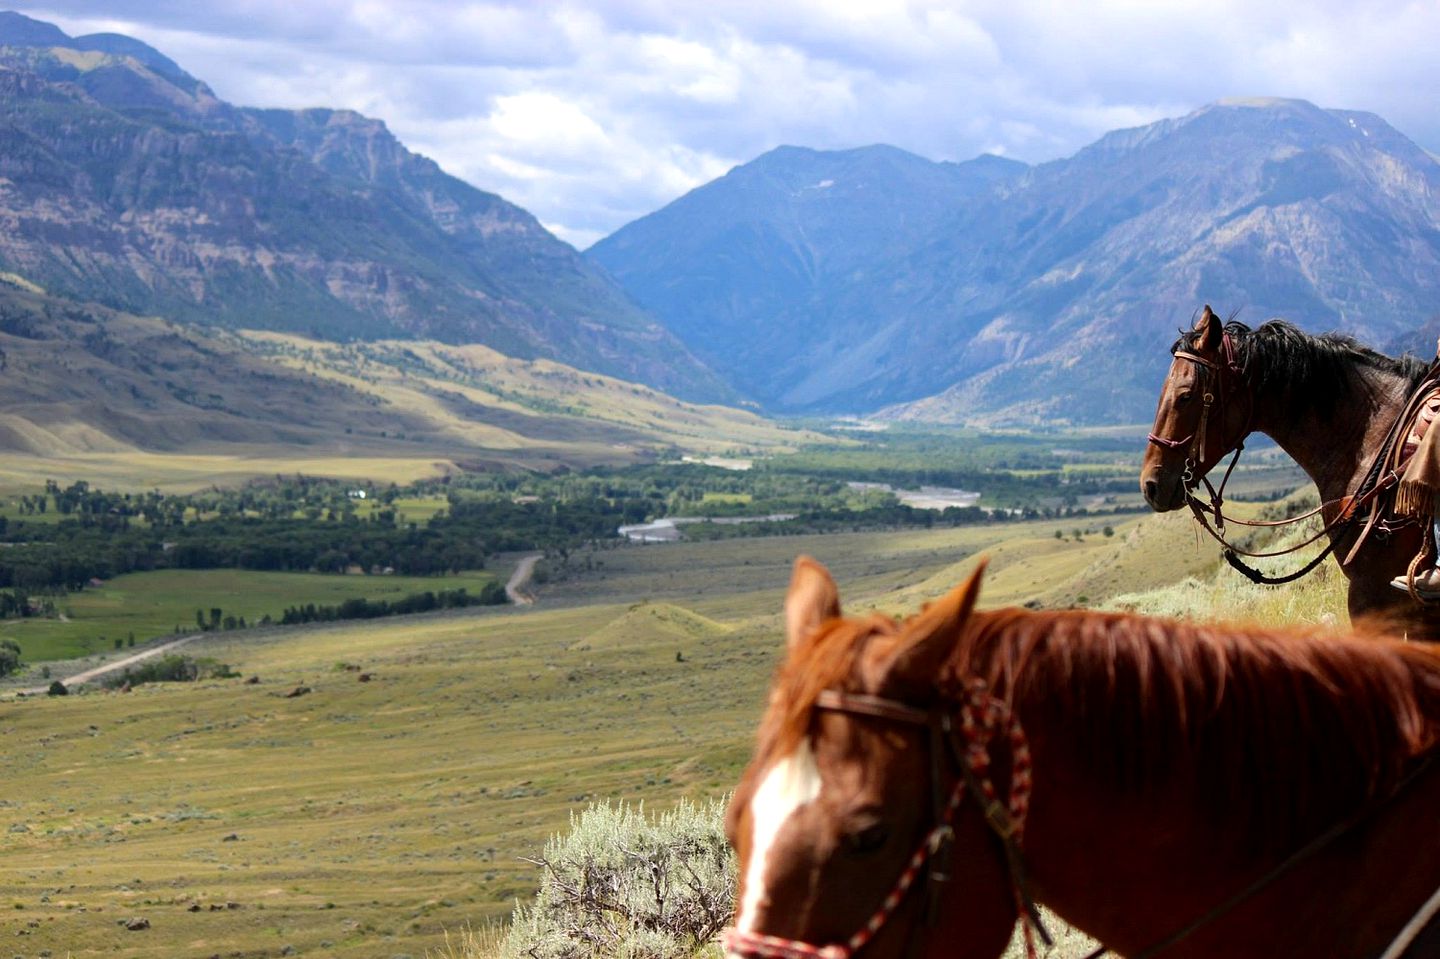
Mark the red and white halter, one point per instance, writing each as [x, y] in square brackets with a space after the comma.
[981, 716]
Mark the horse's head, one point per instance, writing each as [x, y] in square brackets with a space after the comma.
[837, 802]
[1198, 419]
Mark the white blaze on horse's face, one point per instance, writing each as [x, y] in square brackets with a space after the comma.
[789, 784]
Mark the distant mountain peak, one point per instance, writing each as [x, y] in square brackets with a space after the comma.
[106, 49]
[129, 182]
[117, 44]
[18, 30]
[1286, 104]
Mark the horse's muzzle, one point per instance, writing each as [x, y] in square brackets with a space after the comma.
[1163, 494]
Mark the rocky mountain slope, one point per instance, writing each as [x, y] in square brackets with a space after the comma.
[1049, 294]
[124, 180]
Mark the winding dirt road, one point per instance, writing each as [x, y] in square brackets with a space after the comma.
[111, 667]
[520, 579]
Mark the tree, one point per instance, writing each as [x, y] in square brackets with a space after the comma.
[9, 657]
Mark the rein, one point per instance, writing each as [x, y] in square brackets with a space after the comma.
[980, 717]
[1343, 827]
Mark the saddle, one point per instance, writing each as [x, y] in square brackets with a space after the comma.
[1401, 443]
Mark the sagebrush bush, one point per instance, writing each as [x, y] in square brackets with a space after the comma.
[626, 885]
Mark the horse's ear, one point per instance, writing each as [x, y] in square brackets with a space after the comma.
[1210, 329]
[812, 599]
[933, 633]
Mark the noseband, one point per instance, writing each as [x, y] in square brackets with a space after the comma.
[980, 717]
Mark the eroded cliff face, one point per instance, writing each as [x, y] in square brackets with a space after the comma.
[124, 180]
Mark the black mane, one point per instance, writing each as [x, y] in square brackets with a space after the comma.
[1281, 359]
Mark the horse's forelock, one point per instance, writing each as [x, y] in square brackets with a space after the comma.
[829, 659]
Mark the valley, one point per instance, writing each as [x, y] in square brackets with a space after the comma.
[365, 818]
[358, 788]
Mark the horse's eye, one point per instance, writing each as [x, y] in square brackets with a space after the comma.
[1184, 398]
[868, 840]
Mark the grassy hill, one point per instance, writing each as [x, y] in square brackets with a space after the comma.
[368, 818]
[91, 393]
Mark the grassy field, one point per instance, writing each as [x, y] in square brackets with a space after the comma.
[146, 605]
[370, 818]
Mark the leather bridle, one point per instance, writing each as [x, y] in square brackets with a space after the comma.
[979, 719]
[1227, 376]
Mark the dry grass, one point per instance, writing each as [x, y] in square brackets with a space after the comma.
[381, 817]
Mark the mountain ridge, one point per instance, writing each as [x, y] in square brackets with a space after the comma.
[130, 183]
[1050, 294]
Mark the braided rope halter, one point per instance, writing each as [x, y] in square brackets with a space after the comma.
[981, 717]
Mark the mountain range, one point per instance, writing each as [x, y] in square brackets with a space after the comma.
[991, 291]
[861, 281]
[125, 181]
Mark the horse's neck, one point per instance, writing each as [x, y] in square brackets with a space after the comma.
[1336, 449]
[1175, 863]
[1132, 869]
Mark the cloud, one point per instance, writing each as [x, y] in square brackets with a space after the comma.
[591, 114]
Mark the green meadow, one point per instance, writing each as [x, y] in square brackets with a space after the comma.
[147, 605]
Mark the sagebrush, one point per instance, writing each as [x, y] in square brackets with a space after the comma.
[624, 884]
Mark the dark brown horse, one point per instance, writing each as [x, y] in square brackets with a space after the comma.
[1269, 791]
[1326, 401]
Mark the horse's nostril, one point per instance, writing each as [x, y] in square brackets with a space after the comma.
[1152, 489]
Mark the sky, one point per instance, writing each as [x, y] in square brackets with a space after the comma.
[592, 114]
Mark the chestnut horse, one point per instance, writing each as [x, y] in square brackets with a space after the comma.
[1326, 401]
[1172, 789]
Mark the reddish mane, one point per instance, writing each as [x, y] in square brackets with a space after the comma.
[827, 661]
[1286, 731]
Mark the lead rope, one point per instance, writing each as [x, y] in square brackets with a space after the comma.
[1008, 824]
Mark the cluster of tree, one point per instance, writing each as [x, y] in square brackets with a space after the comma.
[69, 554]
[492, 594]
[16, 604]
[174, 668]
[300, 523]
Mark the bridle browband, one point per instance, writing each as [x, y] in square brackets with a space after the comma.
[979, 717]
